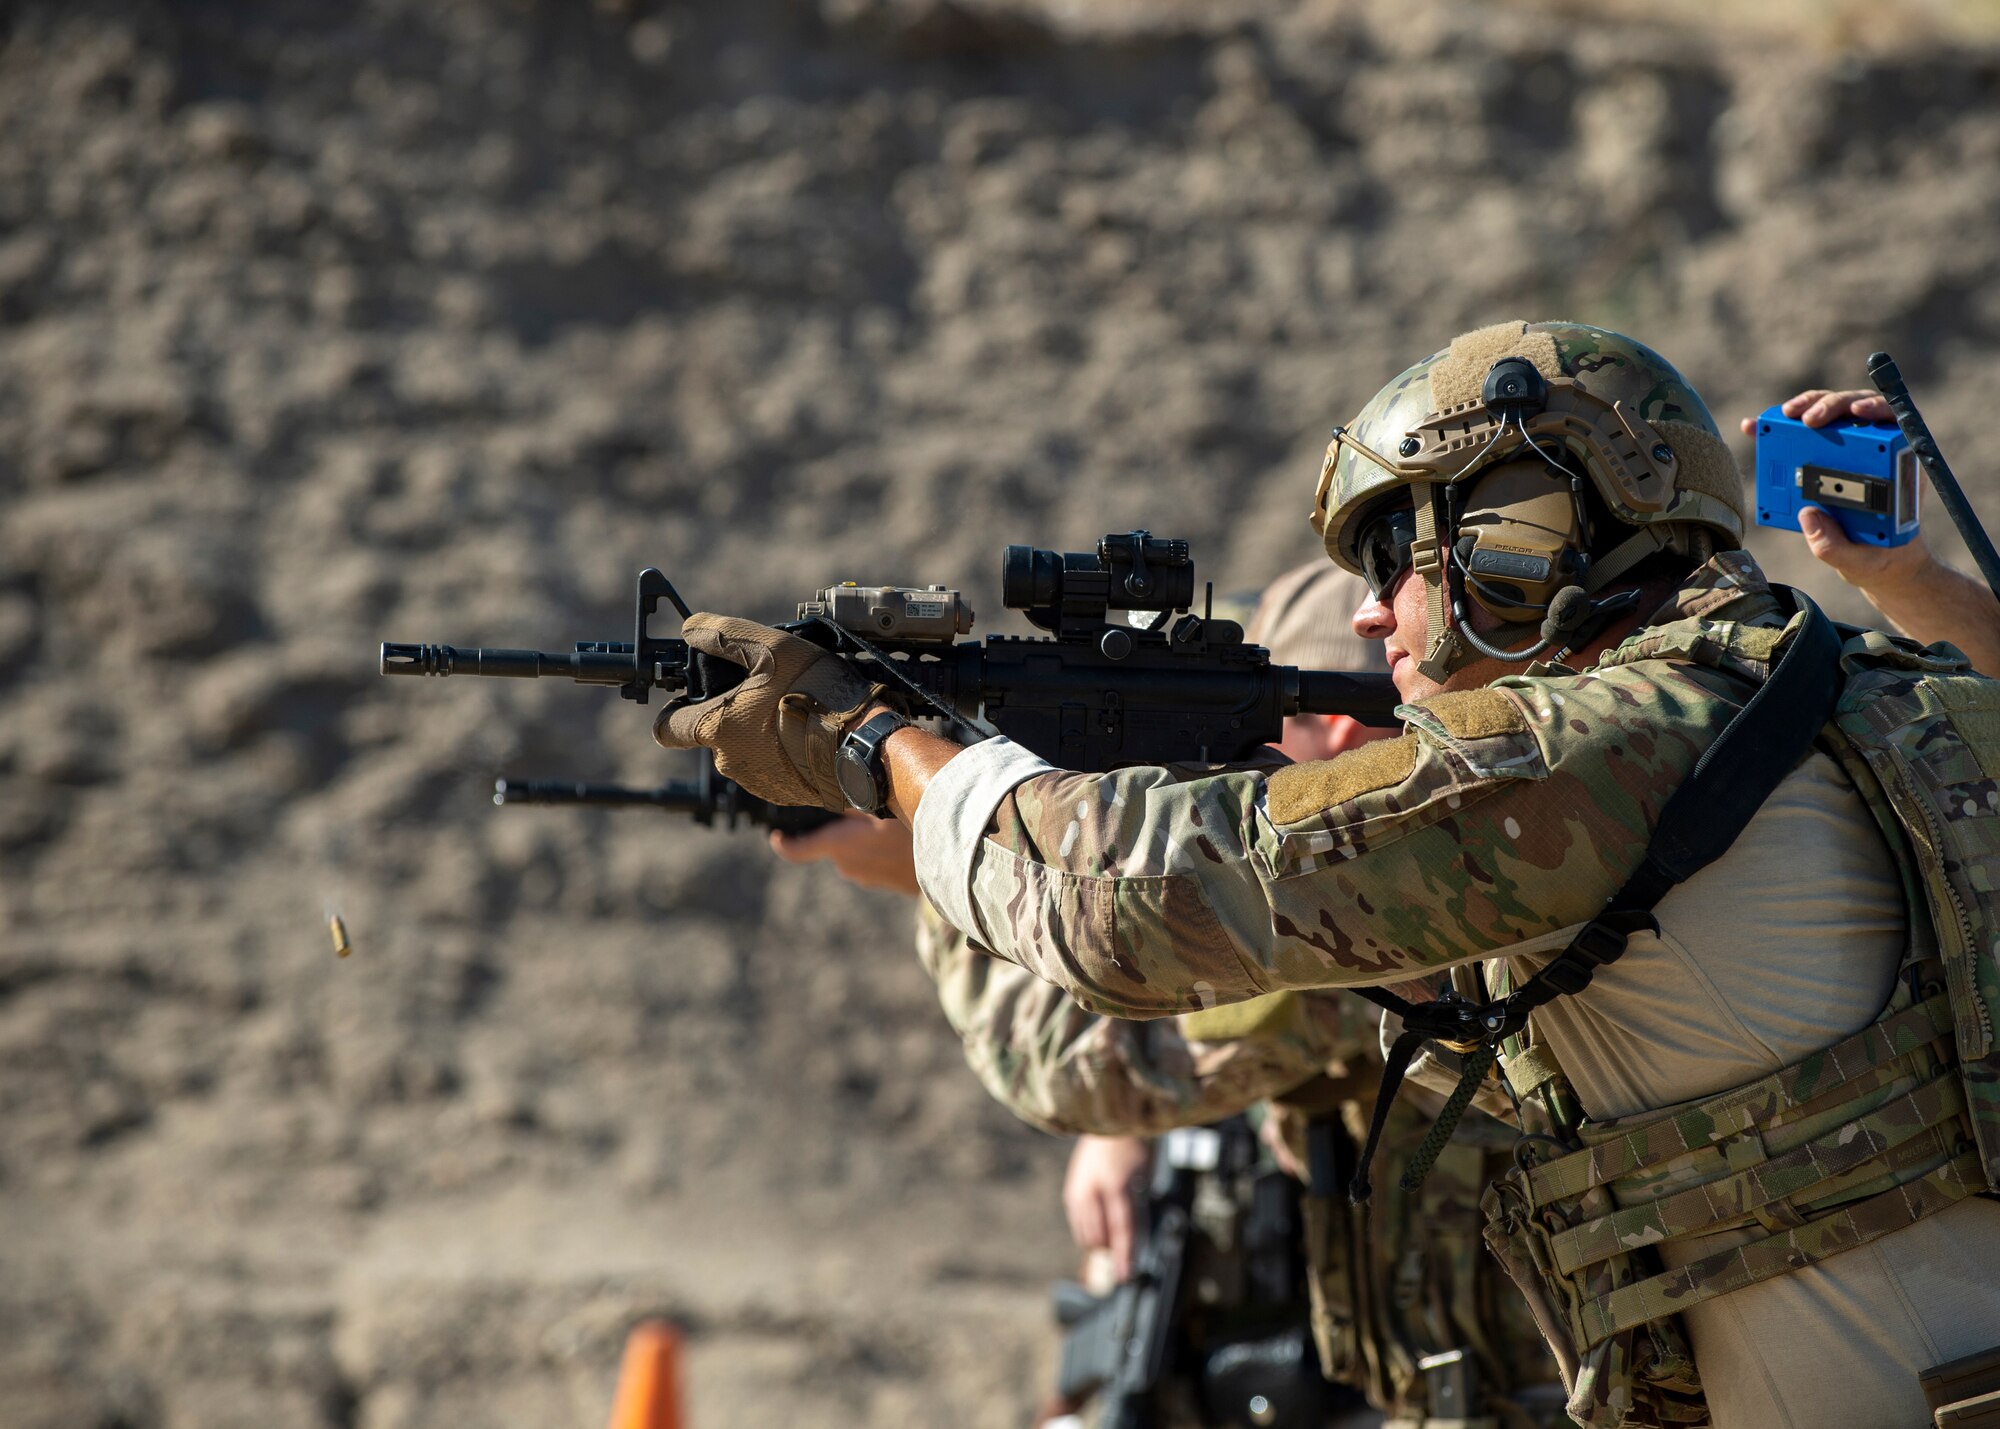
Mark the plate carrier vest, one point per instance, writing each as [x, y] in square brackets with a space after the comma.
[1892, 1124]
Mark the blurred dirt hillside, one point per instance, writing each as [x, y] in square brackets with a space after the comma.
[322, 325]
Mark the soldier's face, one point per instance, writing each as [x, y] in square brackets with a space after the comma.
[1396, 618]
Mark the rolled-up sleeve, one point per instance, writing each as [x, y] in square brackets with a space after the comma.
[956, 811]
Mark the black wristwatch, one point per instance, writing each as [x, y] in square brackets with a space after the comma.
[858, 763]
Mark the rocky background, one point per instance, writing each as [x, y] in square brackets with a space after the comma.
[328, 324]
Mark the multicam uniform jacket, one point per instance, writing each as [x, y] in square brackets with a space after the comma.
[1409, 1281]
[1502, 820]
[1073, 1072]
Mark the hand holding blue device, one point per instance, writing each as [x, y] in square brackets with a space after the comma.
[1863, 474]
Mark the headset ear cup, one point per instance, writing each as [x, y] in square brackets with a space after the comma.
[1527, 535]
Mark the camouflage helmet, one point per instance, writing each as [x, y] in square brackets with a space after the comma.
[1614, 407]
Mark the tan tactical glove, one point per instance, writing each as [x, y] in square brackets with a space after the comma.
[776, 733]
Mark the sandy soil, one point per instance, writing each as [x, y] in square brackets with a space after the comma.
[323, 325]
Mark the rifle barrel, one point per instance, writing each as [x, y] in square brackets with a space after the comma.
[587, 667]
[1367, 698]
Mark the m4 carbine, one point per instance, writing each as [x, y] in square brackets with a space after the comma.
[1164, 686]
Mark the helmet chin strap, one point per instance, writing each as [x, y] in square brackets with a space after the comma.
[1443, 650]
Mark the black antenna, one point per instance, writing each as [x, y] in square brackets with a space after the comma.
[1888, 380]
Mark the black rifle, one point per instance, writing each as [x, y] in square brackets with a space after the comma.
[1116, 1347]
[1223, 1315]
[1092, 694]
[706, 799]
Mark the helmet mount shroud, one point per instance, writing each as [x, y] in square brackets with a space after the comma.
[1538, 459]
[1513, 388]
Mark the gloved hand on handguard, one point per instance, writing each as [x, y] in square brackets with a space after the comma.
[776, 733]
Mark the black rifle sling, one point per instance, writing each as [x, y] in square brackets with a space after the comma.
[1759, 747]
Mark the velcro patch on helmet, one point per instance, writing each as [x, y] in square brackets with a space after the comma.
[1238, 1021]
[1298, 791]
[1476, 714]
[1706, 466]
[1461, 376]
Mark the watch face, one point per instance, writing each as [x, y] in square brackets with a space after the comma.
[855, 780]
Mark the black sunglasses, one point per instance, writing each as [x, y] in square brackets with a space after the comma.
[1384, 548]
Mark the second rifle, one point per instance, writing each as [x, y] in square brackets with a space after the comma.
[707, 799]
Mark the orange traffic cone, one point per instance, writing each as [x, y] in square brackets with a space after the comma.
[649, 1382]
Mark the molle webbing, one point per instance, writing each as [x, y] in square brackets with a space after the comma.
[1845, 1146]
[1624, 1153]
[1928, 729]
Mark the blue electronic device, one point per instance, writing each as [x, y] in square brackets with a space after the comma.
[1862, 473]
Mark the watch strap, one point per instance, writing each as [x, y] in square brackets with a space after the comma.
[862, 747]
